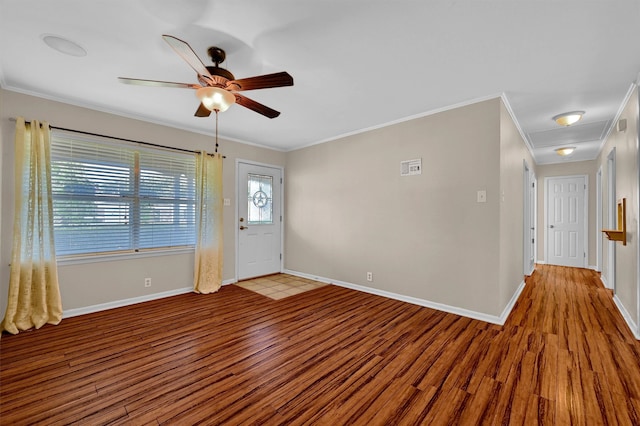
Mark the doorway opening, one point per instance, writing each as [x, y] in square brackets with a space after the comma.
[598, 234]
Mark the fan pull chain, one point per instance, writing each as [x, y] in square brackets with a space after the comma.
[216, 131]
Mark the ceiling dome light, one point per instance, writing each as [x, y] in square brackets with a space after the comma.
[63, 45]
[215, 98]
[567, 150]
[568, 118]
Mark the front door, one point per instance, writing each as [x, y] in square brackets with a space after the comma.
[259, 220]
[566, 219]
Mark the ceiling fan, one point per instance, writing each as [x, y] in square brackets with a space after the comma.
[218, 87]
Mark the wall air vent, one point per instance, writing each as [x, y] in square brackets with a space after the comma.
[411, 167]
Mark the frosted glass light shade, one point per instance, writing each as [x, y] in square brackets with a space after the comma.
[568, 150]
[215, 98]
[568, 118]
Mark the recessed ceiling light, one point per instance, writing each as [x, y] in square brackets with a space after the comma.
[568, 118]
[567, 150]
[63, 45]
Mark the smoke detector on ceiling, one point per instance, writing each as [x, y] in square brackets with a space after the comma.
[63, 45]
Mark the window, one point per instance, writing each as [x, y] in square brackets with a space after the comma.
[116, 197]
[260, 195]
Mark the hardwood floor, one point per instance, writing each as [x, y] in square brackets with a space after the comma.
[330, 356]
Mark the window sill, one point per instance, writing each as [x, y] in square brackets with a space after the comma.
[110, 257]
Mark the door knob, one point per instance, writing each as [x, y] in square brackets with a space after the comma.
[550, 226]
[242, 228]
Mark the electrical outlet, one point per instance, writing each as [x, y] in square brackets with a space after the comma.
[369, 276]
[147, 282]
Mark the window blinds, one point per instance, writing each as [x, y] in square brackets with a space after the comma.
[112, 197]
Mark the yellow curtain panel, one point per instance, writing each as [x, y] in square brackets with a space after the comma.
[208, 257]
[34, 294]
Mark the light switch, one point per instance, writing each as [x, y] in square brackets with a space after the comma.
[482, 196]
[227, 201]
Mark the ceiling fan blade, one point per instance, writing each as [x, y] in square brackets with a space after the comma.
[157, 83]
[266, 81]
[202, 111]
[256, 106]
[185, 51]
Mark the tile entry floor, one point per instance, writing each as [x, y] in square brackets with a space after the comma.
[279, 286]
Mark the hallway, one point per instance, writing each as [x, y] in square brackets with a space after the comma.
[585, 356]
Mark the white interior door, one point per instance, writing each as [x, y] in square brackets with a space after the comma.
[532, 223]
[566, 220]
[529, 221]
[259, 220]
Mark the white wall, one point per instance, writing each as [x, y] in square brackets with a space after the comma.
[84, 285]
[4, 261]
[349, 211]
[513, 154]
[626, 146]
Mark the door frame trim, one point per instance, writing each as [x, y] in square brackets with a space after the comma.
[236, 217]
[585, 208]
[611, 218]
[599, 227]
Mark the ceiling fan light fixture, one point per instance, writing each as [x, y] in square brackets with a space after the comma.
[215, 98]
[564, 151]
[568, 118]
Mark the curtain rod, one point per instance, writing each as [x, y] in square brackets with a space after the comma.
[121, 139]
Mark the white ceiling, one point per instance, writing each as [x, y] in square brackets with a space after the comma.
[357, 64]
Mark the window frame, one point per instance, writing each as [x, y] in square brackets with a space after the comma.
[134, 196]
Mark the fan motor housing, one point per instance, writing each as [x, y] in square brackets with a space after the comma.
[220, 72]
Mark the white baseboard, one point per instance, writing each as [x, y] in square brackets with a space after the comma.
[623, 311]
[507, 309]
[627, 317]
[420, 302]
[126, 302]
